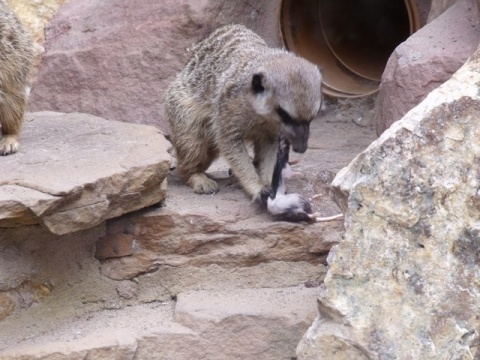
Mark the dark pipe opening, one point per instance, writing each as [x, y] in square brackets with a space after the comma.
[351, 39]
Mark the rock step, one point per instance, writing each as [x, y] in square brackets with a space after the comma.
[74, 171]
[228, 324]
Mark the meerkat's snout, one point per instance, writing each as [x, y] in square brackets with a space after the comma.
[298, 136]
[297, 132]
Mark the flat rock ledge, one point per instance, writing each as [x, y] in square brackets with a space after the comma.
[74, 171]
[256, 324]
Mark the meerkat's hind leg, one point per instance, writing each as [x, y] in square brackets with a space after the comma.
[193, 168]
[12, 109]
[193, 149]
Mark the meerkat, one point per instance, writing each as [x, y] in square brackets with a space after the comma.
[235, 91]
[16, 64]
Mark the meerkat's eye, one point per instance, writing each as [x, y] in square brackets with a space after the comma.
[257, 85]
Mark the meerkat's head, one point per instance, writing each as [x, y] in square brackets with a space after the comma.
[288, 90]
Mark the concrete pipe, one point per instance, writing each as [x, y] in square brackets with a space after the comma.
[351, 39]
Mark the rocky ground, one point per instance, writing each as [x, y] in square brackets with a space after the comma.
[213, 277]
[244, 282]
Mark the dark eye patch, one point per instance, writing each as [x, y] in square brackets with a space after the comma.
[288, 120]
[285, 117]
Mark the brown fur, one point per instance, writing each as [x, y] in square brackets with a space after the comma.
[16, 61]
[228, 96]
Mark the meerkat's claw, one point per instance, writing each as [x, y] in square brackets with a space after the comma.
[202, 184]
[8, 145]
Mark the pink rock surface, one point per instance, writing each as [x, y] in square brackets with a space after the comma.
[115, 59]
[425, 61]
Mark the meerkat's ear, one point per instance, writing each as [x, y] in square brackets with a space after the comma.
[257, 83]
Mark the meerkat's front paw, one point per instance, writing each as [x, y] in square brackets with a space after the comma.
[8, 145]
[262, 196]
[202, 184]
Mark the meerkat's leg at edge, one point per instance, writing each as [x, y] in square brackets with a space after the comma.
[12, 110]
[198, 180]
[16, 66]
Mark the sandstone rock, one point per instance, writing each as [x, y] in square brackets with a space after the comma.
[127, 289]
[404, 282]
[87, 315]
[170, 281]
[80, 293]
[194, 231]
[101, 335]
[247, 324]
[294, 253]
[15, 268]
[425, 60]
[114, 246]
[230, 232]
[438, 7]
[236, 324]
[7, 305]
[38, 267]
[74, 171]
[117, 58]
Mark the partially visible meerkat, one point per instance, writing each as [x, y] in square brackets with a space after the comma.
[233, 91]
[16, 65]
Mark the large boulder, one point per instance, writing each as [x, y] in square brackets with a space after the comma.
[74, 171]
[438, 7]
[404, 283]
[115, 59]
[426, 60]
